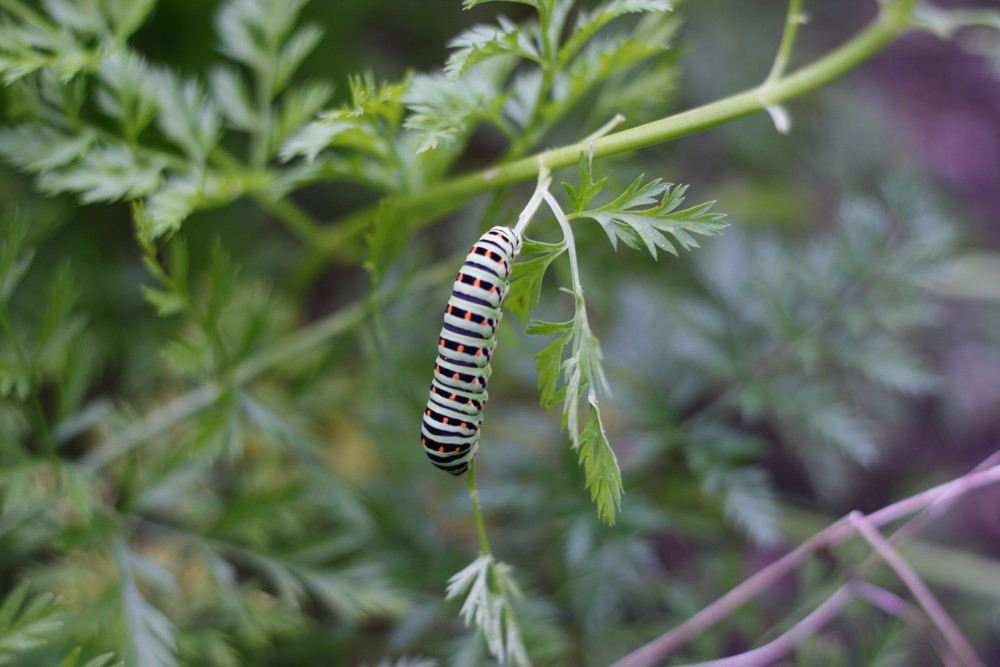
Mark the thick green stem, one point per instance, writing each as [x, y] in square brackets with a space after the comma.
[484, 543]
[438, 200]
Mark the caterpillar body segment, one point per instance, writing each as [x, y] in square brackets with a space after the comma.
[453, 416]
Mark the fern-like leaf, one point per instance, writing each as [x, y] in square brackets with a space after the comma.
[489, 590]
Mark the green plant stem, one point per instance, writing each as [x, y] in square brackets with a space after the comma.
[445, 197]
[484, 542]
[792, 22]
[261, 137]
[570, 241]
[544, 180]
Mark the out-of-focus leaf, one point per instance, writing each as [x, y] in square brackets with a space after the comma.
[26, 624]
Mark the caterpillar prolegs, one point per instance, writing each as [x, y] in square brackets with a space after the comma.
[454, 412]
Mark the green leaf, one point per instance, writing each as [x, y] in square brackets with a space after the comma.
[355, 592]
[78, 489]
[296, 107]
[166, 302]
[842, 427]
[469, 4]
[588, 189]
[252, 31]
[38, 148]
[627, 220]
[408, 662]
[232, 95]
[600, 466]
[219, 433]
[127, 15]
[127, 92]
[293, 52]
[388, 239]
[441, 112]
[892, 365]
[526, 278]
[182, 195]
[73, 658]
[588, 23]
[108, 173]
[314, 138]
[15, 258]
[483, 42]
[75, 16]
[749, 500]
[222, 281]
[607, 58]
[24, 624]
[150, 633]
[15, 380]
[188, 116]
[59, 325]
[489, 588]
[549, 360]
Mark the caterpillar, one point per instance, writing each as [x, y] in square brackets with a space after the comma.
[454, 412]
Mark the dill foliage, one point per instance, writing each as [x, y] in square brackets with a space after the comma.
[217, 308]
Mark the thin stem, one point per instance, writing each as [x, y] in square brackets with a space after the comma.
[445, 197]
[896, 606]
[484, 542]
[264, 93]
[604, 129]
[793, 20]
[544, 180]
[783, 645]
[840, 530]
[574, 268]
[959, 644]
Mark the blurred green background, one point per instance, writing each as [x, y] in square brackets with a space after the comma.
[836, 349]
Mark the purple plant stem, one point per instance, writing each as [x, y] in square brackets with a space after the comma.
[896, 606]
[838, 531]
[785, 643]
[935, 611]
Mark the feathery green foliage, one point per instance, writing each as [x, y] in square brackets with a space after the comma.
[206, 457]
[489, 591]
